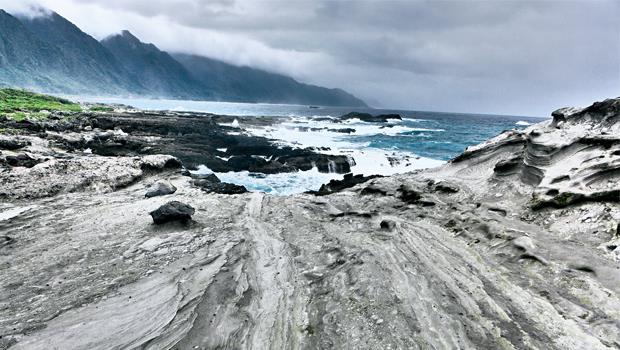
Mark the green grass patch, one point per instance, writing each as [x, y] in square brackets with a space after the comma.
[25, 104]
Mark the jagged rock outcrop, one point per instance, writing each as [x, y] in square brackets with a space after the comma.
[372, 266]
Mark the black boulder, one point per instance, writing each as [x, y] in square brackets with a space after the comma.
[172, 211]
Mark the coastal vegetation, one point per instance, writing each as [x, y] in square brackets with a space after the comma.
[22, 104]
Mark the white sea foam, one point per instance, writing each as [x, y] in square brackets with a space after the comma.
[322, 135]
[282, 184]
[523, 123]
[368, 160]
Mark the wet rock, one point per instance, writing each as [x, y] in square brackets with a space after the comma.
[325, 163]
[160, 162]
[201, 178]
[224, 188]
[333, 164]
[348, 181]
[12, 144]
[326, 119]
[212, 184]
[172, 211]
[160, 189]
[369, 118]
[343, 130]
[387, 117]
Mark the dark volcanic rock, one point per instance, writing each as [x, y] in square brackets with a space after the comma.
[446, 187]
[409, 195]
[343, 130]
[172, 211]
[205, 177]
[325, 163]
[387, 225]
[372, 190]
[212, 184]
[160, 189]
[22, 160]
[224, 188]
[326, 119]
[12, 144]
[369, 118]
[387, 117]
[338, 185]
[192, 138]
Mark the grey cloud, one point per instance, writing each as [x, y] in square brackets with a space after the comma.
[514, 57]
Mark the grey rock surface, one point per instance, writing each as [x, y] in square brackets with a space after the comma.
[160, 188]
[375, 266]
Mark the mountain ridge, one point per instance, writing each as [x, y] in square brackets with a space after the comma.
[48, 53]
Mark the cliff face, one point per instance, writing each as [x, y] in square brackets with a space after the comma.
[513, 244]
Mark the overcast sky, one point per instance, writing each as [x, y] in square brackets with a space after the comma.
[508, 57]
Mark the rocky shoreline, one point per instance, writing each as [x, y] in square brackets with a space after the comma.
[513, 244]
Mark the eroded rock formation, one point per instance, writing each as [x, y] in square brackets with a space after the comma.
[481, 253]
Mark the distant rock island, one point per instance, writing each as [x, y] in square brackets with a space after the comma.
[49, 53]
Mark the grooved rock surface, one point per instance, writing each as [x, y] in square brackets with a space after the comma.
[459, 257]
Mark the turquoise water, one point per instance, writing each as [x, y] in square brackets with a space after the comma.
[420, 140]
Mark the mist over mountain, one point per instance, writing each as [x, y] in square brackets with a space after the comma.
[49, 53]
[92, 68]
[25, 59]
[153, 68]
[234, 83]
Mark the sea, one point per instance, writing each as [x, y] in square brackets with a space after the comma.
[421, 140]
